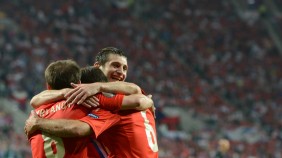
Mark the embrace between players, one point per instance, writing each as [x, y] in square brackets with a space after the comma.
[102, 117]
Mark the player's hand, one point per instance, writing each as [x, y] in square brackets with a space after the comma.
[91, 102]
[66, 90]
[153, 108]
[30, 123]
[81, 92]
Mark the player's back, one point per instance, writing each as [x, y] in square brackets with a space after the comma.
[44, 145]
[133, 137]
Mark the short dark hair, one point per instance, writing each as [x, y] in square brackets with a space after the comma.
[102, 56]
[91, 74]
[61, 73]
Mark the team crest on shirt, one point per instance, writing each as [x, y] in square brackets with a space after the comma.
[93, 115]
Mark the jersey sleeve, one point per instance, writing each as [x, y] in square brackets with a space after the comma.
[44, 145]
[112, 103]
[100, 120]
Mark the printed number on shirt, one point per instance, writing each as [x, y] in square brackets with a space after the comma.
[150, 133]
[53, 146]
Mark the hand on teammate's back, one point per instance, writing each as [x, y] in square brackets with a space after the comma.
[153, 109]
[90, 102]
[83, 94]
[30, 122]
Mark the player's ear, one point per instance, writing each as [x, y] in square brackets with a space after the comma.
[48, 86]
[96, 65]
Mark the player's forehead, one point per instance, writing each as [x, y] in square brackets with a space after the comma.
[114, 58]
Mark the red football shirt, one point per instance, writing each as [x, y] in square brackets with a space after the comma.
[44, 145]
[101, 120]
[132, 135]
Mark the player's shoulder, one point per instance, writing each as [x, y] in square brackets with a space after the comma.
[44, 106]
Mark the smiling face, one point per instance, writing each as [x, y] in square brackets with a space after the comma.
[115, 68]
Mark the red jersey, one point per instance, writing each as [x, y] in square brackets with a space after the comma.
[133, 136]
[44, 145]
[101, 120]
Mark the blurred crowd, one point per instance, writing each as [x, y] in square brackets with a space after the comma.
[195, 55]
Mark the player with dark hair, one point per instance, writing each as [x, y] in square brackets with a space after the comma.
[134, 135]
[136, 132]
[91, 74]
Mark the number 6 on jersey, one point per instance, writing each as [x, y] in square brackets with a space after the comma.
[150, 133]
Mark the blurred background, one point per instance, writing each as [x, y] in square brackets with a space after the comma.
[212, 66]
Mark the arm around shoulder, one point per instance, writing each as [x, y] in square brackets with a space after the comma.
[126, 88]
[64, 127]
[48, 96]
[136, 101]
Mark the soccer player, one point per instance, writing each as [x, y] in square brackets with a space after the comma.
[59, 75]
[45, 145]
[136, 132]
[134, 135]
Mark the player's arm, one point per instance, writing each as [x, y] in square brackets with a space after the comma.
[48, 96]
[57, 127]
[137, 102]
[76, 128]
[83, 91]
[118, 102]
[121, 87]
